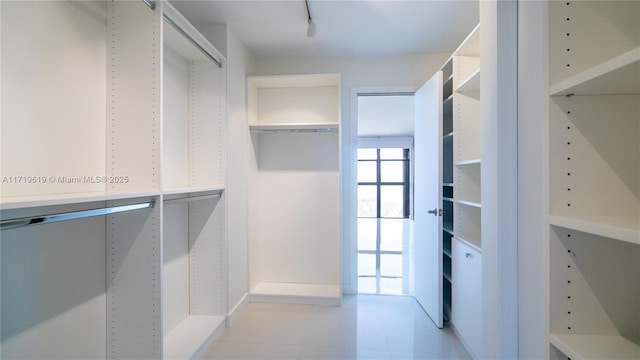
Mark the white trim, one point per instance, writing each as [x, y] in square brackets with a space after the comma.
[499, 111]
[533, 155]
[371, 142]
[237, 309]
[350, 242]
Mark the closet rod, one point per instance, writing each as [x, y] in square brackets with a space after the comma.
[192, 40]
[194, 198]
[266, 131]
[150, 3]
[51, 218]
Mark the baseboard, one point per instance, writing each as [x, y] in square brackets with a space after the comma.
[232, 316]
[462, 340]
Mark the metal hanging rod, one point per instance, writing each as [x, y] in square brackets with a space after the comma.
[191, 40]
[397, 93]
[270, 131]
[150, 3]
[195, 198]
[51, 218]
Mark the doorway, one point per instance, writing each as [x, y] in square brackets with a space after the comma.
[384, 172]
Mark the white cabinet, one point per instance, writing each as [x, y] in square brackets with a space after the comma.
[466, 275]
[594, 178]
[113, 238]
[294, 189]
[194, 269]
[467, 295]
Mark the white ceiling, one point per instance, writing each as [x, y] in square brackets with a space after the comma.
[272, 29]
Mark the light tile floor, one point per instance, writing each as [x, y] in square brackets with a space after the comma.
[364, 327]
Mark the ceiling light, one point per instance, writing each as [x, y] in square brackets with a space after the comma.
[311, 26]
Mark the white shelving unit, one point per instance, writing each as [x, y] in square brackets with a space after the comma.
[194, 232]
[594, 179]
[115, 165]
[294, 234]
[466, 256]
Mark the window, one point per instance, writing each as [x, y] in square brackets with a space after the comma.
[383, 183]
[383, 210]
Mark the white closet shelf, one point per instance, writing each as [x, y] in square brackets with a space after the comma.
[618, 75]
[471, 45]
[23, 202]
[471, 86]
[318, 294]
[596, 346]
[447, 276]
[192, 336]
[469, 203]
[287, 81]
[447, 310]
[448, 227]
[623, 228]
[472, 244]
[299, 127]
[449, 99]
[469, 162]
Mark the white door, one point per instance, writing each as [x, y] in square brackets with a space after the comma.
[427, 239]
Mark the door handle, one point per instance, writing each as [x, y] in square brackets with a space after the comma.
[437, 212]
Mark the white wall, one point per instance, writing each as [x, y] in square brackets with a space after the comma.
[391, 115]
[239, 64]
[533, 157]
[499, 115]
[407, 71]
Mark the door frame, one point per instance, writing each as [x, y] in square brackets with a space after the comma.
[350, 243]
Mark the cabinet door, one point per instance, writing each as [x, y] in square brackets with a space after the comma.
[428, 182]
[466, 294]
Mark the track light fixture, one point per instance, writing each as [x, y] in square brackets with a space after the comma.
[311, 26]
